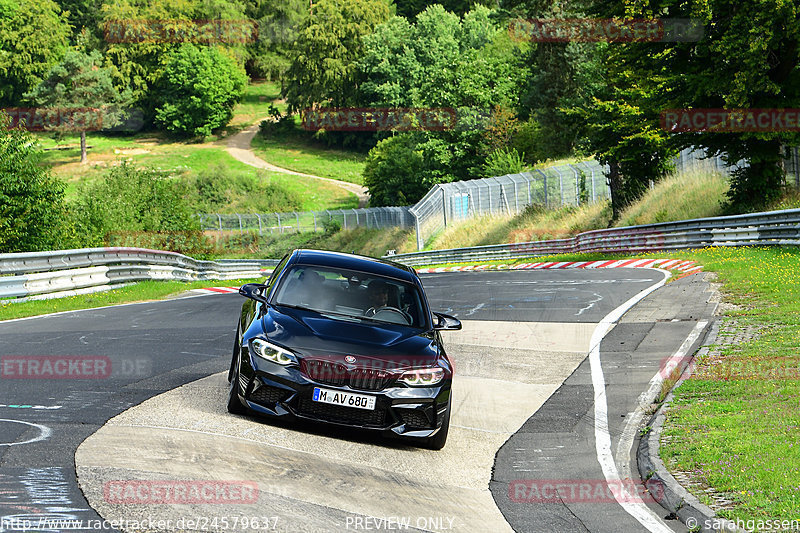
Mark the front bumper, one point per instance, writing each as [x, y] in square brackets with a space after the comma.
[285, 392]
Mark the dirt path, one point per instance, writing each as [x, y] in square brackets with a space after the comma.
[239, 147]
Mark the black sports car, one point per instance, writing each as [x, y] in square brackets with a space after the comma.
[346, 340]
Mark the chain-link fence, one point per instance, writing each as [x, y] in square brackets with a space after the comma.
[692, 159]
[553, 187]
[296, 222]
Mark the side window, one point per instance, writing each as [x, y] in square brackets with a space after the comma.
[275, 273]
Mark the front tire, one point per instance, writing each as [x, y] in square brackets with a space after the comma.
[235, 406]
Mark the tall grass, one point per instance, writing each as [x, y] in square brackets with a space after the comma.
[683, 196]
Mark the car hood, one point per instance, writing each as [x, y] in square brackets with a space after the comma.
[311, 335]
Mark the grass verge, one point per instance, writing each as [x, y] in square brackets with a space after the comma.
[734, 427]
[140, 292]
[293, 152]
[255, 103]
[680, 197]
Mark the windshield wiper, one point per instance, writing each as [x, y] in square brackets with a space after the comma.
[341, 316]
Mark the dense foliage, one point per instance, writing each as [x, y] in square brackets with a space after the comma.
[33, 38]
[197, 90]
[131, 199]
[329, 42]
[80, 86]
[31, 200]
[513, 100]
[468, 66]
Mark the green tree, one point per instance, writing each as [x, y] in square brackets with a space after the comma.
[197, 91]
[748, 57]
[33, 37]
[278, 23]
[83, 14]
[324, 62]
[80, 85]
[411, 8]
[618, 124]
[467, 64]
[142, 35]
[556, 80]
[630, 141]
[31, 200]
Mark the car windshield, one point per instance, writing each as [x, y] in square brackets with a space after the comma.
[351, 295]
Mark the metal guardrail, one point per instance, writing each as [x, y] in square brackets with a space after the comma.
[770, 228]
[38, 273]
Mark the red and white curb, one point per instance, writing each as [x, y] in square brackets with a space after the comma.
[687, 267]
[216, 290]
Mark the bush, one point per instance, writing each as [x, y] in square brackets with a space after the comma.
[503, 161]
[31, 200]
[133, 200]
[394, 172]
[331, 226]
[197, 91]
[218, 189]
[528, 141]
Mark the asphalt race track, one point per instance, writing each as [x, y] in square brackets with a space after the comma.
[139, 398]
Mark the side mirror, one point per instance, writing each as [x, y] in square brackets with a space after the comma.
[446, 322]
[253, 291]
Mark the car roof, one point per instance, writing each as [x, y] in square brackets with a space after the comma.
[355, 262]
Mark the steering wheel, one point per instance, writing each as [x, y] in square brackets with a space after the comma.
[373, 311]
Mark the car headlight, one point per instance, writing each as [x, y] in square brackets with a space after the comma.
[272, 353]
[423, 377]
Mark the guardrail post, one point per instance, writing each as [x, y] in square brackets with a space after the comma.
[297, 216]
[259, 224]
[241, 230]
[219, 219]
[314, 214]
[280, 226]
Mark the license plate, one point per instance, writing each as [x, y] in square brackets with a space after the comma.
[347, 399]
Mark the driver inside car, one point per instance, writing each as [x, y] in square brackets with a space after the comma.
[377, 296]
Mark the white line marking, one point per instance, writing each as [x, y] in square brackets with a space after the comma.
[26, 406]
[605, 457]
[44, 432]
